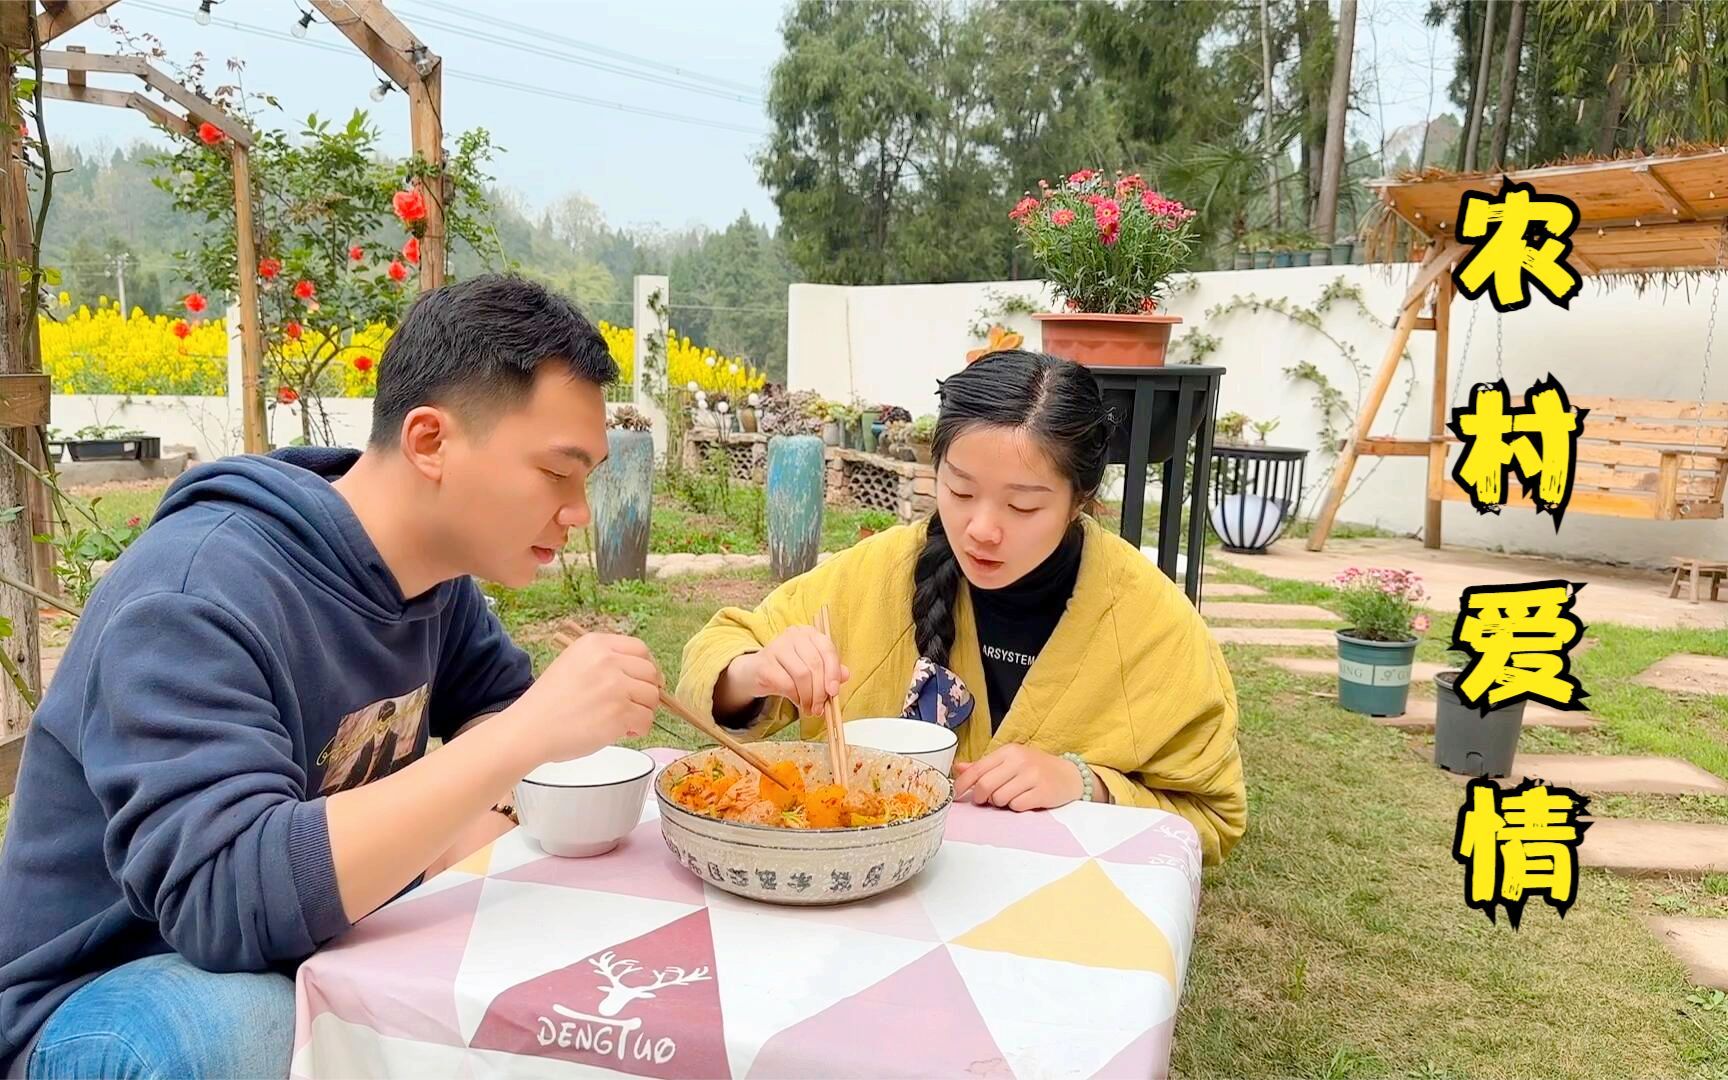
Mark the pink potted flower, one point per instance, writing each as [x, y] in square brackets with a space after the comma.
[1109, 248]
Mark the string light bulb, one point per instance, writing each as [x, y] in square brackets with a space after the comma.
[102, 19]
[421, 57]
[300, 27]
[202, 18]
[384, 87]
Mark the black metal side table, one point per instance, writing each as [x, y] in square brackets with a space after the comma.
[1159, 410]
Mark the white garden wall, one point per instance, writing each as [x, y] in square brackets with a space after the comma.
[892, 343]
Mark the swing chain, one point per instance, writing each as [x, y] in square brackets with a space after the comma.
[1709, 339]
[1464, 355]
[1499, 347]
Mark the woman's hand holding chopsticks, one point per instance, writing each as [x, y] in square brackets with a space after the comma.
[800, 665]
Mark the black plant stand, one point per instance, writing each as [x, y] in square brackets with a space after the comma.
[1158, 410]
[1274, 473]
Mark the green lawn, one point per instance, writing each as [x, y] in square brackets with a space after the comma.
[1335, 941]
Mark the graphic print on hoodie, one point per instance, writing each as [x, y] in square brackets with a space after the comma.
[248, 657]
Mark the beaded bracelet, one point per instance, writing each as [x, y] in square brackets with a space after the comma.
[1086, 789]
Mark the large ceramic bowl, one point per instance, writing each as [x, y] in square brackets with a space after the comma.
[807, 866]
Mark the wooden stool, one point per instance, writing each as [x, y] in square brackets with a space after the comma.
[1710, 571]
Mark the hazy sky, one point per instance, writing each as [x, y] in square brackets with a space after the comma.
[639, 168]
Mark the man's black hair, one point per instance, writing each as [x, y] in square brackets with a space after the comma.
[475, 347]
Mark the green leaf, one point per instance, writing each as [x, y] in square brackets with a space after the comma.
[51, 275]
[5, 627]
[10, 514]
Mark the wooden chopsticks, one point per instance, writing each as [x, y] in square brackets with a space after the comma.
[684, 712]
[838, 758]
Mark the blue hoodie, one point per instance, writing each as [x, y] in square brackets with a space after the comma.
[248, 657]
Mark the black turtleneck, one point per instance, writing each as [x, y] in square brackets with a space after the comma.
[1015, 621]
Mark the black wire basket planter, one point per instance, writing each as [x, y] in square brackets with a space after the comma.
[1256, 493]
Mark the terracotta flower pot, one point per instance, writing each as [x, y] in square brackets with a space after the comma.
[1108, 340]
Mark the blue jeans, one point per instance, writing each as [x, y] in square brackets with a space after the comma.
[161, 1017]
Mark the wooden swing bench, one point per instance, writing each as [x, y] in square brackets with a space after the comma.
[1647, 459]
[1636, 460]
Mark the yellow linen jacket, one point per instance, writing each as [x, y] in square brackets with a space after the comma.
[1130, 679]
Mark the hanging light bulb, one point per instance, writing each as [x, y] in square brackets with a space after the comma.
[102, 19]
[299, 28]
[381, 89]
[421, 57]
[202, 18]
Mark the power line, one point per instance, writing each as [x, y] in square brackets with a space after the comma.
[468, 76]
[539, 50]
[575, 43]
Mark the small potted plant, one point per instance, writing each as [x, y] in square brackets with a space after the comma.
[1320, 254]
[1231, 426]
[111, 442]
[1282, 255]
[1469, 741]
[887, 414]
[923, 433]
[1343, 251]
[896, 441]
[1263, 428]
[834, 424]
[1261, 243]
[1376, 649]
[1109, 248]
[1242, 259]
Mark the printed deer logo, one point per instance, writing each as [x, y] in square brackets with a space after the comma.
[620, 993]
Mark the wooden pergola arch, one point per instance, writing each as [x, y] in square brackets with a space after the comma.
[78, 64]
[25, 393]
[1645, 216]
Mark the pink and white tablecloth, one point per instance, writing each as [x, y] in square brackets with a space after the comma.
[1035, 945]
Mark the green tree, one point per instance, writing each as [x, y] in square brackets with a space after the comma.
[851, 99]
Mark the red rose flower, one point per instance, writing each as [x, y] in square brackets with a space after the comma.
[362, 363]
[356, 253]
[304, 289]
[292, 330]
[1023, 208]
[286, 395]
[180, 329]
[269, 268]
[411, 250]
[410, 206]
[195, 302]
[397, 271]
[210, 134]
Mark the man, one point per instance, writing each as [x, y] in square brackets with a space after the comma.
[230, 770]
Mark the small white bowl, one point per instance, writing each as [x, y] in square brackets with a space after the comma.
[584, 806]
[932, 744]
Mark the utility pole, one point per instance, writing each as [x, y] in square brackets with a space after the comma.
[120, 281]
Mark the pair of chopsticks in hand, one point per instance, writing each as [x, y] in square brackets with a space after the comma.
[839, 758]
[671, 704]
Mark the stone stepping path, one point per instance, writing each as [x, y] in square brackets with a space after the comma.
[1700, 944]
[1273, 635]
[1607, 774]
[1268, 612]
[1421, 672]
[1688, 673]
[1419, 717]
[1655, 847]
[1231, 588]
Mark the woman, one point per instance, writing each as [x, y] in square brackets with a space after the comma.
[1070, 667]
